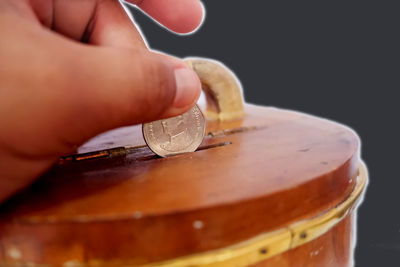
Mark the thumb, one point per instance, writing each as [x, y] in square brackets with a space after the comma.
[120, 87]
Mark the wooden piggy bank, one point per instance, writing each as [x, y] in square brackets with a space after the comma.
[267, 187]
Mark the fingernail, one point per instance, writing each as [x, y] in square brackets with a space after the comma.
[187, 87]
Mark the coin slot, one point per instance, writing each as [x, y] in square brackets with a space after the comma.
[213, 146]
[226, 132]
[117, 151]
[151, 156]
[146, 154]
[138, 153]
[201, 148]
[143, 153]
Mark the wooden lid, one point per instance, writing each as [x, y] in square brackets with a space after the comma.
[252, 175]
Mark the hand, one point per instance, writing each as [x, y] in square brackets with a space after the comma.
[71, 69]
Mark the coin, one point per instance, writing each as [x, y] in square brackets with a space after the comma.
[176, 135]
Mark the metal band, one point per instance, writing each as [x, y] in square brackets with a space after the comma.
[273, 243]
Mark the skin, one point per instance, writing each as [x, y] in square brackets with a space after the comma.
[71, 69]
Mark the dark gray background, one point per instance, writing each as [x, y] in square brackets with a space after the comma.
[335, 59]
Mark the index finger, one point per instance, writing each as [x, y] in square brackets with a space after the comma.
[181, 16]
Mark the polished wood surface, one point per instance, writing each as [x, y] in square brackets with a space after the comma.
[250, 176]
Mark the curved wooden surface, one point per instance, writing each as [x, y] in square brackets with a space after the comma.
[288, 240]
[251, 176]
[333, 249]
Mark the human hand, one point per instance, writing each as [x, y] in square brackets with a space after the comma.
[71, 69]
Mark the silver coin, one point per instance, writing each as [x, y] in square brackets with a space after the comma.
[176, 135]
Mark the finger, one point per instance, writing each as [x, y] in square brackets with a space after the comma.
[123, 87]
[111, 26]
[182, 16]
[70, 18]
[98, 22]
[68, 92]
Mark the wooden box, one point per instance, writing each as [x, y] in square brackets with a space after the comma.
[267, 187]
